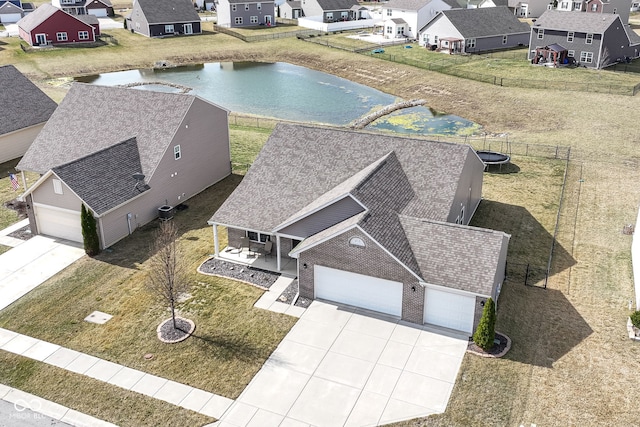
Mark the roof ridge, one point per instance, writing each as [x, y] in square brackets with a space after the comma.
[99, 152]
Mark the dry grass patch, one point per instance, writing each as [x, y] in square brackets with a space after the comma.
[7, 193]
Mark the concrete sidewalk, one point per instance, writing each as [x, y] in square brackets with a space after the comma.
[169, 391]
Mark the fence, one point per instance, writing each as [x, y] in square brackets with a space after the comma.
[264, 37]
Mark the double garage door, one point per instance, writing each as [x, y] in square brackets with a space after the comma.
[56, 222]
[371, 293]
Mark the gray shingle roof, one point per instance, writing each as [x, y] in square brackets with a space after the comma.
[168, 11]
[583, 22]
[634, 38]
[89, 19]
[457, 256]
[484, 22]
[406, 4]
[328, 5]
[35, 18]
[23, 103]
[104, 180]
[104, 116]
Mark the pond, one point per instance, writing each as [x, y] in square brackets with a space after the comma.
[289, 92]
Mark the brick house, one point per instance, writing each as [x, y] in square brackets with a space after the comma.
[372, 221]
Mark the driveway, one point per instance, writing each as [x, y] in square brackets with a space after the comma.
[27, 265]
[109, 24]
[10, 30]
[341, 366]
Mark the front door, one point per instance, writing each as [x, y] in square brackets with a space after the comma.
[188, 28]
[267, 20]
[41, 39]
[296, 13]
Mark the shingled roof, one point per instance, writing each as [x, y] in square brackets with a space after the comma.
[328, 5]
[102, 117]
[596, 23]
[23, 103]
[104, 180]
[406, 4]
[168, 11]
[484, 22]
[38, 16]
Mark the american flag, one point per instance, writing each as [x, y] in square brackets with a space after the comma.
[14, 181]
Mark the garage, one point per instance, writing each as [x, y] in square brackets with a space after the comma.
[57, 222]
[10, 18]
[100, 13]
[449, 310]
[358, 290]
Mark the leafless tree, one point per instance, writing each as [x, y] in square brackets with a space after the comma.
[167, 277]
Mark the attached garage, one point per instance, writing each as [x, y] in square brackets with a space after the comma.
[10, 18]
[100, 13]
[358, 290]
[449, 310]
[57, 222]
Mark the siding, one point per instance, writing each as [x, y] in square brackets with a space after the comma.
[138, 22]
[158, 30]
[60, 22]
[15, 144]
[311, 8]
[67, 200]
[323, 219]
[470, 178]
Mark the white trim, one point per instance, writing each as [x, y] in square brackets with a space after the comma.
[55, 208]
[294, 254]
[289, 236]
[318, 209]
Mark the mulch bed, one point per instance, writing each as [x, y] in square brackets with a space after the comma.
[255, 276]
[498, 350]
[168, 334]
[290, 293]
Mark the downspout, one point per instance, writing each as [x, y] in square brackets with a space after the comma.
[600, 50]
[278, 268]
[24, 180]
[215, 240]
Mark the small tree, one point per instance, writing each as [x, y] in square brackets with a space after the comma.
[486, 330]
[635, 319]
[89, 232]
[167, 276]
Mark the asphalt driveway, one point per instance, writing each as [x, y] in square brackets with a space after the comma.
[341, 366]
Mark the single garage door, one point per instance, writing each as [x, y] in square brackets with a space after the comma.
[10, 18]
[358, 290]
[56, 222]
[449, 310]
[100, 13]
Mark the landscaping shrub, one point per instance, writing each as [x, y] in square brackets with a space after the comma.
[486, 330]
[635, 318]
[89, 232]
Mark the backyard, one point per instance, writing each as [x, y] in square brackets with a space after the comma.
[571, 363]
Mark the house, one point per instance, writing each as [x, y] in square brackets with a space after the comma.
[100, 8]
[535, 8]
[620, 7]
[48, 25]
[331, 10]
[25, 110]
[246, 13]
[594, 40]
[10, 13]
[290, 9]
[162, 18]
[128, 153]
[474, 30]
[371, 220]
[403, 18]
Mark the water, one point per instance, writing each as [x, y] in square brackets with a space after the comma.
[289, 92]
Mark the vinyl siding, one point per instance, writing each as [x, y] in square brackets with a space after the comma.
[471, 177]
[45, 195]
[15, 144]
[323, 219]
[138, 22]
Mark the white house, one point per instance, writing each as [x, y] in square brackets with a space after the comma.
[403, 18]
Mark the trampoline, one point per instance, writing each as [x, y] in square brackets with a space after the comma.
[490, 158]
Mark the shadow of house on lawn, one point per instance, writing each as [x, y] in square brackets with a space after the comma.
[136, 248]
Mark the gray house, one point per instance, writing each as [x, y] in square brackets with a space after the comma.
[474, 30]
[246, 13]
[162, 18]
[595, 40]
[128, 153]
[25, 109]
[10, 13]
[331, 10]
[372, 221]
[535, 8]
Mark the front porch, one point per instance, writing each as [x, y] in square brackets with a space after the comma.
[255, 259]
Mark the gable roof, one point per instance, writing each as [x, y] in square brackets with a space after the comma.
[337, 4]
[104, 116]
[104, 180]
[484, 22]
[38, 16]
[408, 4]
[596, 23]
[10, 8]
[89, 19]
[168, 11]
[23, 103]
[106, 3]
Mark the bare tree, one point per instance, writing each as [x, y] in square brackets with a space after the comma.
[167, 277]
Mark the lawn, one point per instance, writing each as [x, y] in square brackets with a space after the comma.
[7, 193]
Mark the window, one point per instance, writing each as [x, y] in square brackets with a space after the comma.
[564, 5]
[425, 39]
[462, 215]
[258, 237]
[344, 15]
[259, 6]
[571, 53]
[389, 30]
[577, 6]
[234, 7]
[389, 12]
[253, 19]
[435, 39]
[570, 36]
[594, 7]
[589, 39]
[357, 241]
[615, 11]
[540, 34]
[238, 20]
[168, 28]
[329, 16]
[57, 186]
[83, 35]
[176, 152]
[586, 57]
[246, 6]
[61, 37]
[504, 39]
[471, 43]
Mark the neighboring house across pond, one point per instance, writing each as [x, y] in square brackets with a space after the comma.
[25, 110]
[48, 25]
[372, 221]
[128, 153]
[330, 10]
[535, 8]
[162, 18]
[290, 9]
[404, 18]
[474, 30]
[245, 13]
[100, 8]
[593, 40]
[10, 12]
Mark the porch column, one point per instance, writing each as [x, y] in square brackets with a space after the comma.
[24, 181]
[278, 252]
[215, 240]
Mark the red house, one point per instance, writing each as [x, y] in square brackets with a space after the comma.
[48, 25]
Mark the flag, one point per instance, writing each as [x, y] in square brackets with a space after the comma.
[14, 181]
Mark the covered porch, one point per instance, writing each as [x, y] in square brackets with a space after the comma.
[551, 55]
[450, 45]
[255, 259]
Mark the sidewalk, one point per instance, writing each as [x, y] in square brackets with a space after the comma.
[169, 391]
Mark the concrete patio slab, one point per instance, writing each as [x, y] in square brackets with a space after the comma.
[41, 350]
[173, 392]
[62, 357]
[324, 403]
[82, 363]
[19, 344]
[196, 399]
[345, 370]
[126, 378]
[103, 370]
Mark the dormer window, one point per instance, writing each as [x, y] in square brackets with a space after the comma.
[57, 186]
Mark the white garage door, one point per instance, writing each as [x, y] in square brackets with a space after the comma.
[358, 290]
[101, 13]
[449, 310]
[61, 223]
[9, 18]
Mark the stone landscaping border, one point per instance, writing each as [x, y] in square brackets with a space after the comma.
[493, 356]
[186, 335]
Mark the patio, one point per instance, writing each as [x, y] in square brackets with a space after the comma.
[288, 267]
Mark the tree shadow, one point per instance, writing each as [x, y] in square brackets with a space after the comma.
[227, 347]
[506, 168]
[135, 249]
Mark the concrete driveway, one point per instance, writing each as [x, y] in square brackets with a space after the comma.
[10, 30]
[341, 366]
[27, 265]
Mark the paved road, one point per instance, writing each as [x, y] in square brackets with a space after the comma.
[10, 416]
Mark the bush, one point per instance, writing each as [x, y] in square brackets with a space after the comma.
[486, 330]
[635, 318]
[89, 232]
